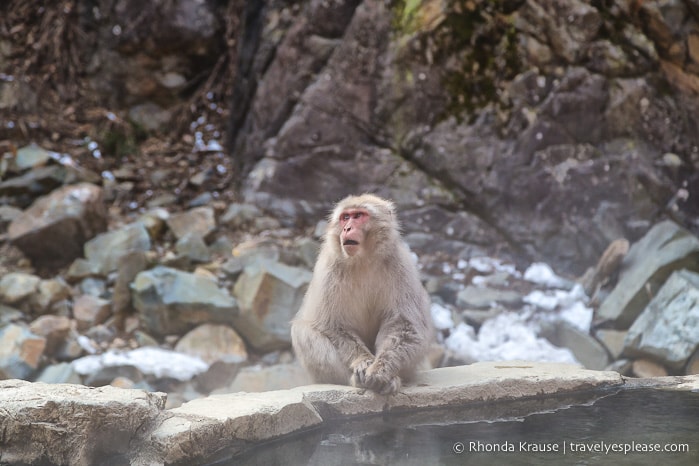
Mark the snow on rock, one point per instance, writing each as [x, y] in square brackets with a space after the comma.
[515, 335]
[148, 360]
[570, 304]
[489, 265]
[542, 274]
[505, 337]
[578, 315]
[441, 316]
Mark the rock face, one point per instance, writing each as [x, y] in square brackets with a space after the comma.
[493, 124]
[54, 229]
[556, 146]
[72, 424]
[668, 329]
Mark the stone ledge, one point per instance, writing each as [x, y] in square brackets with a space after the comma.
[72, 424]
[77, 425]
[234, 421]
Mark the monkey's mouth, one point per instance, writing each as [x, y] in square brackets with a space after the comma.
[350, 242]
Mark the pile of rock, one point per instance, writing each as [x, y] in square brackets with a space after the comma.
[652, 314]
[160, 279]
[640, 319]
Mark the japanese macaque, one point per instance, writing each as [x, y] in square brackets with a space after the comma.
[365, 319]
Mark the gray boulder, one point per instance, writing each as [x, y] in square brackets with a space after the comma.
[170, 301]
[554, 147]
[192, 247]
[17, 286]
[665, 248]
[668, 329]
[270, 294]
[7, 215]
[55, 329]
[200, 221]
[264, 379]
[49, 292]
[584, 347]
[105, 250]
[214, 343]
[54, 229]
[62, 372]
[129, 266]
[30, 156]
[40, 181]
[20, 352]
[484, 298]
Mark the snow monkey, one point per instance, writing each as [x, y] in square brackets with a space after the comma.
[365, 319]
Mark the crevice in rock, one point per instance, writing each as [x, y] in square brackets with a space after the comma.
[247, 154]
[248, 68]
[462, 203]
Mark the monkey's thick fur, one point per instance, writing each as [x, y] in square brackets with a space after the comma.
[365, 319]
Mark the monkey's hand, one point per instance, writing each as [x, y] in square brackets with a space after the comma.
[359, 367]
[380, 378]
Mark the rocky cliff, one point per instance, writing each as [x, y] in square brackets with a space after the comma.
[542, 128]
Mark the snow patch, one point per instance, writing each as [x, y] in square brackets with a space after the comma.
[148, 360]
[505, 337]
[441, 316]
[542, 274]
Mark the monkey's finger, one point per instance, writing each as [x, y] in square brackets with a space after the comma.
[360, 374]
[384, 385]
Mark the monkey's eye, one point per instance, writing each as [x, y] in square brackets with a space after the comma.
[345, 217]
[358, 214]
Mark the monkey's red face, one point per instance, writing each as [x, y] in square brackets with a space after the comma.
[353, 224]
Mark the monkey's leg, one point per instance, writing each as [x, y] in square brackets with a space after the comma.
[318, 355]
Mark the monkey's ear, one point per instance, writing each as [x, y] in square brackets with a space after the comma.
[387, 205]
[391, 208]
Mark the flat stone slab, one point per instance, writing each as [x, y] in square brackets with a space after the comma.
[233, 422]
[461, 385]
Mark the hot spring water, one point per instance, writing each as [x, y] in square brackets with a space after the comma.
[634, 427]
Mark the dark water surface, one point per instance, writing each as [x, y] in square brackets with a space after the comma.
[631, 427]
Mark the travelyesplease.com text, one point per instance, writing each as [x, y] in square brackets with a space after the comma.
[569, 447]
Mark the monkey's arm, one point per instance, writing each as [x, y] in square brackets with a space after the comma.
[400, 345]
[349, 344]
[357, 355]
